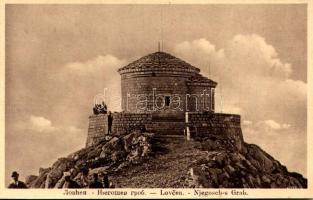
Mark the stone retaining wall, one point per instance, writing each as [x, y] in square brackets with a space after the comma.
[125, 122]
[202, 124]
[214, 119]
[216, 125]
[167, 128]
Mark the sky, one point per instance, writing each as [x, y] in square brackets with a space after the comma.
[59, 57]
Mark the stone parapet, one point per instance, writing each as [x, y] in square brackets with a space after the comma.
[214, 119]
[203, 124]
[222, 127]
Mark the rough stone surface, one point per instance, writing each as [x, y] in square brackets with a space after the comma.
[29, 180]
[56, 171]
[40, 181]
[106, 156]
[249, 168]
[153, 161]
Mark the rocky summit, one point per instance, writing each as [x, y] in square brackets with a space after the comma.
[145, 160]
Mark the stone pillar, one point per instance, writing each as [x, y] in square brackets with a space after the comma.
[187, 126]
[98, 128]
[188, 133]
[186, 117]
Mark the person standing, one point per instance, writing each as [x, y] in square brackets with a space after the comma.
[95, 182]
[110, 121]
[105, 180]
[16, 183]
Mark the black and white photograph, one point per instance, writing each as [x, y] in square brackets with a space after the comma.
[176, 99]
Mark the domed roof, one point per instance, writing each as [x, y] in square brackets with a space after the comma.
[158, 61]
[199, 79]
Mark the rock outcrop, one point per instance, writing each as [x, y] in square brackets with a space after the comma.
[209, 162]
[251, 167]
[110, 155]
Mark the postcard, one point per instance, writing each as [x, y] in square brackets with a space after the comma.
[161, 99]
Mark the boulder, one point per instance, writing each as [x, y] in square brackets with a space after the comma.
[230, 169]
[263, 159]
[146, 150]
[60, 183]
[133, 156]
[56, 172]
[94, 153]
[108, 137]
[294, 183]
[113, 145]
[198, 178]
[118, 156]
[30, 180]
[41, 178]
[99, 170]
[266, 179]
[127, 141]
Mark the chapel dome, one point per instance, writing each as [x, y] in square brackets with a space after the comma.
[158, 61]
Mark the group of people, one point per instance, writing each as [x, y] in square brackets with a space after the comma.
[103, 109]
[98, 180]
[100, 108]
